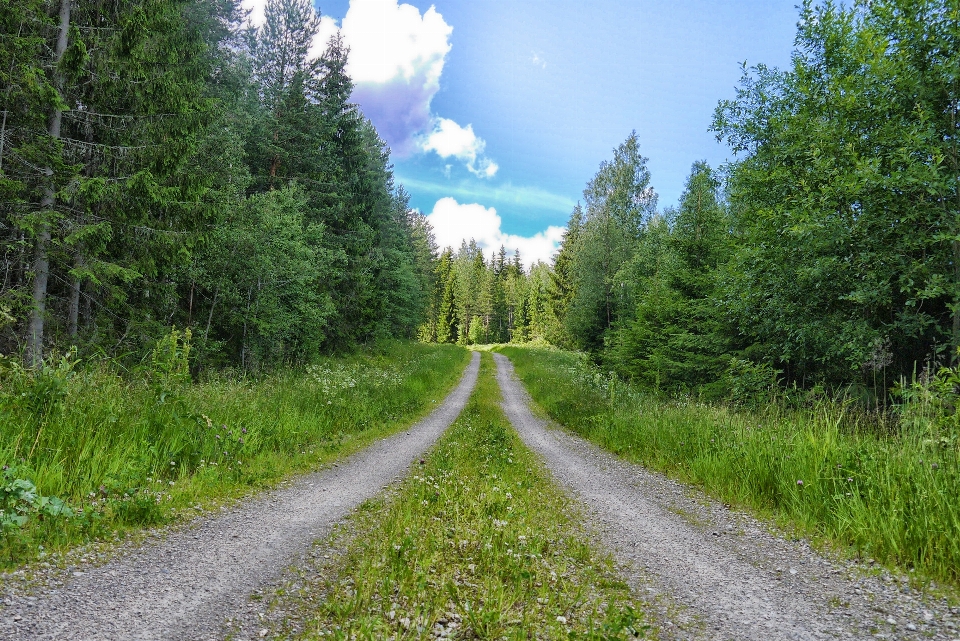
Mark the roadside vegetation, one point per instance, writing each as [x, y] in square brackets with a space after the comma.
[888, 493]
[91, 453]
[788, 334]
[477, 543]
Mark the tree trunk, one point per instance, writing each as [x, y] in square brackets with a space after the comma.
[955, 357]
[41, 261]
[73, 314]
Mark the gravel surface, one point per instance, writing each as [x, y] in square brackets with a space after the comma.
[187, 585]
[716, 573]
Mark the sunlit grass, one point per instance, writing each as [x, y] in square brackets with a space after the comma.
[124, 454]
[478, 543]
[894, 498]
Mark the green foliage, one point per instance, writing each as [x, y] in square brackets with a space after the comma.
[204, 174]
[20, 500]
[825, 469]
[619, 201]
[750, 384]
[933, 403]
[846, 201]
[170, 360]
[131, 452]
[479, 535]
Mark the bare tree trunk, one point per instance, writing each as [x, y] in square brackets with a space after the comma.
[210, 317]
[41, 261]
[73, 314]
[955, 357]
[954, 130]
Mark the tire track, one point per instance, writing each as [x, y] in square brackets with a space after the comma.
[184, 587]
[730, 577]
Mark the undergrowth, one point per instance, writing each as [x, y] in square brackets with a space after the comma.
[477, 544]
[893, 496]
[136, 450]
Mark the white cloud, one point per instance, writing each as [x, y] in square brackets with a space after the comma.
[391, 41]
[454, 222]
[396, 60]
[449, 139]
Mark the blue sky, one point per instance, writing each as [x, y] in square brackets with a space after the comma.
[499, 111]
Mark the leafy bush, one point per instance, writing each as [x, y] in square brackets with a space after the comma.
[20, 500]
[750, 384]
[932, 403]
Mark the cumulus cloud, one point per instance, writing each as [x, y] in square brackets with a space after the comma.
[454, 222]
[449, 139]
[396, 60]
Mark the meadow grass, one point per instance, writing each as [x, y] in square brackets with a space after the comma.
[893, 496]
[477, 543]
[127, 452]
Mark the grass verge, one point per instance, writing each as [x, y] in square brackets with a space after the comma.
[895, 498]
[477, 543]
[126, 453]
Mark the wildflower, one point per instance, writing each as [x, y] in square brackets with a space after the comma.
[799, 482]
[849, 479]
[934, 466]
[244, 430]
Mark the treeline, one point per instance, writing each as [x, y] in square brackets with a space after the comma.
[162, 164]
[476, 301]
[827, 254]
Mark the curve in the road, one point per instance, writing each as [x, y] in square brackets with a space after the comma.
[184, 587]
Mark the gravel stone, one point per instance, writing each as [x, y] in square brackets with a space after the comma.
[665, 536]
[186, 585]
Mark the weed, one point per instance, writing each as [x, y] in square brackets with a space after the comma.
[823, 469]
[477, 543]
[131, 452]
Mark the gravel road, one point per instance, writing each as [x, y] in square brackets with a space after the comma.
[185, 586]
[715, 573]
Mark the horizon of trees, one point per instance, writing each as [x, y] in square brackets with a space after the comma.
[827, 254]
[163, 164]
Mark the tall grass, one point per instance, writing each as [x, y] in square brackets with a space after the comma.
[893, 496]
[131, 450]
[478, 543]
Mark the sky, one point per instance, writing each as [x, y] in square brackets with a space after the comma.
[498, 112]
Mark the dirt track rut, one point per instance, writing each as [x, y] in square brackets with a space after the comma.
[185, 586]
[713, 573]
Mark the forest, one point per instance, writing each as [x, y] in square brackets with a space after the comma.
[163, 165]
[826, 256]
[219, 307]
[171, 167]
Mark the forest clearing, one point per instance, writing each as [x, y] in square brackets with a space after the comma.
[252, 387]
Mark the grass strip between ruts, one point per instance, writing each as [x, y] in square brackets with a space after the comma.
[477, 543]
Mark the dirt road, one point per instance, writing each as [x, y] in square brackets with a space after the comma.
[184, 587]
[717, 574]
